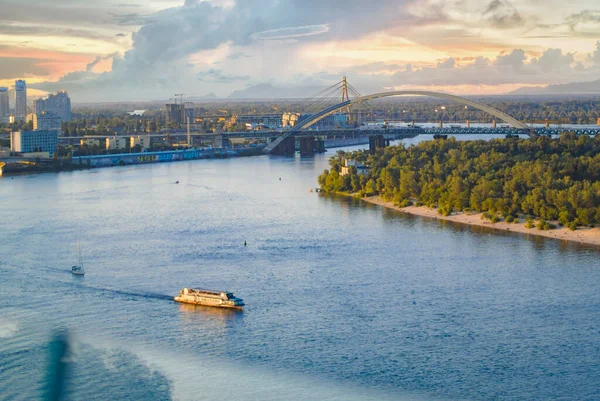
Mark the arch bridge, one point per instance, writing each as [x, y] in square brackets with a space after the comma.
[330, 110]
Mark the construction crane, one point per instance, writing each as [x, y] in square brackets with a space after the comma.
[180, 97]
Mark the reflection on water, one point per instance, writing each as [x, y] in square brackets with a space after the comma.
[199, 313]
[339, 292]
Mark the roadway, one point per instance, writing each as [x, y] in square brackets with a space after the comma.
[359, 132]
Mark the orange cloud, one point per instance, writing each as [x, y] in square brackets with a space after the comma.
[467, 89]
[54, 63]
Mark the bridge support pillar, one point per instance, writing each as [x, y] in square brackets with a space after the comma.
[377, 141]
[307, 146]
[494, 123]
[286, 148]
[221, 142]
[320, 145]
[311, 145]
[468, 123]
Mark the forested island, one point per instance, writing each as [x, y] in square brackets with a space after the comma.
[545, 181]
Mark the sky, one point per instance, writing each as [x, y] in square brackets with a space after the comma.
[122, 50]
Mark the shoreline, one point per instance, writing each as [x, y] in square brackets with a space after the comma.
[77, 163]
[587, 236]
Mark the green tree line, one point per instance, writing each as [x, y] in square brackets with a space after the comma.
[541, 178]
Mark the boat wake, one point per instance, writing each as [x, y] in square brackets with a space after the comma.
[107, 291]
[131, 294]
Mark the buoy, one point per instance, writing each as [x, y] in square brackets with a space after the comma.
[309, 189]
[279, 178]
[244, 243]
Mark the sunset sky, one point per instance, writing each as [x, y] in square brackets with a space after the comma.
[142, 50]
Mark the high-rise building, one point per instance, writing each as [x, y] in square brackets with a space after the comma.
[46, 120]
[188, 112]
[59, 104]
[175, 113]
[4, 111]
[20, 100]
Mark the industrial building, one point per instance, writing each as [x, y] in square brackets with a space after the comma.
[271, 121]
[337, 120]
[34, 141]
[116, 143]
[89, 142]
[143, 141]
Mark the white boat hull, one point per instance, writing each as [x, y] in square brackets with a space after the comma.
[188, 299]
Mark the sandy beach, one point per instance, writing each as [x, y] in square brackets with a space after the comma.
[590, 236]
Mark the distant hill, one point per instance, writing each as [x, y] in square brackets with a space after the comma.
[560, 89]
[268, 91]
[210, 95]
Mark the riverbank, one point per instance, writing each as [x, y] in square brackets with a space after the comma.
[125, 159]
[589, 236]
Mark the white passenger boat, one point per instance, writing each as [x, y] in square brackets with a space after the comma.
[219, 299]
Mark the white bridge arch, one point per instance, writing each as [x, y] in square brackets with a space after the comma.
[330, 110]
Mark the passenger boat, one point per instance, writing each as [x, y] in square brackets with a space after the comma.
[219, 299]
[78, 268]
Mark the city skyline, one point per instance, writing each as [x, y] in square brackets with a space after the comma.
[153, 49]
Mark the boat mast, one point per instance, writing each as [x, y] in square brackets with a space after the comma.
[80, 259]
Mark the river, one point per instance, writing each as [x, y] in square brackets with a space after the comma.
[345, 300]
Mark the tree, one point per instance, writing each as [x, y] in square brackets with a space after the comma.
[547, 179]
[370, 187]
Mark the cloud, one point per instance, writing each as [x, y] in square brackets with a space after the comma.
[157, 61]
[503, 15]
[174, 48]
[13, 67]
[508, 68]
[38, 30]
[238, 55]
[446, 64]
[290, 32]
[97, 60]
[553, 60]
[215, 75]
[583, 17]
[514, 59]
[595, 56]
[130, 19]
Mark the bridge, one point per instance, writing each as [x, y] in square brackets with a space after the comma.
[284, 141]
[16, 164]
[358, 100]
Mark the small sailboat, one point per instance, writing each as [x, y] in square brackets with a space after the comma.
[78, 268]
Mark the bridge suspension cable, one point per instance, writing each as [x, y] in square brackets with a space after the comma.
[326, 98]
[336, 107]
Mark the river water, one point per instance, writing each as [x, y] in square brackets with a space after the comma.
[345, 300]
